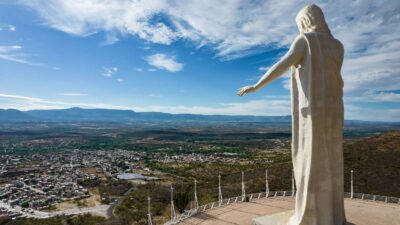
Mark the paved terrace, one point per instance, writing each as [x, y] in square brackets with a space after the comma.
[358, 212]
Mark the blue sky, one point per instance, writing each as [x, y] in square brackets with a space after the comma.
[186, 56]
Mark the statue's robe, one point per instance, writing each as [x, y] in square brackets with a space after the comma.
[317, 129]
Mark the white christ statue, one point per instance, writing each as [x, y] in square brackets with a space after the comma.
[315, 59]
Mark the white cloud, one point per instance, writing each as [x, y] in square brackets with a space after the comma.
[155, 95]
[12, 53]
[120, 80]
[241, 27]
[7, 27]
[110, 39]
[371, 114]
[28, 103]
[254, 107]
[20, 97]
[269, 106]
[367, 28]
[109, 71]
[370, 96]
[73, 94]
[163, 61]
[263, 68]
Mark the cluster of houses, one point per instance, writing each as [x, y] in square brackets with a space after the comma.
[228, 158]
[6, 215]
[38, 181]
[40, 191]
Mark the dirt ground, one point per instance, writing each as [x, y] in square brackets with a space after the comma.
[93, 200]
[94, 171]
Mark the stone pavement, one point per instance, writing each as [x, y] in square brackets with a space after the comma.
[358, 212]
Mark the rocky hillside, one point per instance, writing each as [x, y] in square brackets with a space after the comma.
[376, 164]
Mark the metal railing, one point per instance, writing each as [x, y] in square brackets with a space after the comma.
[249, 197]
[380, 198]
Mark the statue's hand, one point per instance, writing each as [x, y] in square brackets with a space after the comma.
[246, 89]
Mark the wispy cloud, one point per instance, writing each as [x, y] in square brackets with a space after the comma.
[155, 95]
[109, 71]
[242, 28]
[371, 114]
[7, 27]
[20, 97]
[74, 94]
[27, 103]
[110, 39]
[253, 107]
[120, 80]
[268, 106]
[368, 30]
[371, 96]
[163, 61]
[263, 68]
[13, 53]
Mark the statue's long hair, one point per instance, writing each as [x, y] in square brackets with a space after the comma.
[312, 19]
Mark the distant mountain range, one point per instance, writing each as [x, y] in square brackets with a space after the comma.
[113, 115]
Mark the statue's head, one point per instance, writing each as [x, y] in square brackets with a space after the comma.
[311, 19]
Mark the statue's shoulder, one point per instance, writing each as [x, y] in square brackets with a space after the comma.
[339, 44]
[300, 39]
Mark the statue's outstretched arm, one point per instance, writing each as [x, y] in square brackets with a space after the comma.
[293, 57]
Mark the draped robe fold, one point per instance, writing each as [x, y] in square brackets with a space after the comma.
[317, 127]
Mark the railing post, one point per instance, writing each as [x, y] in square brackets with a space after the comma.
[173, 213]
[243, 190]
[219, 190]
[351, 185]
[196, 201]
[266, 184]
[149, 222]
